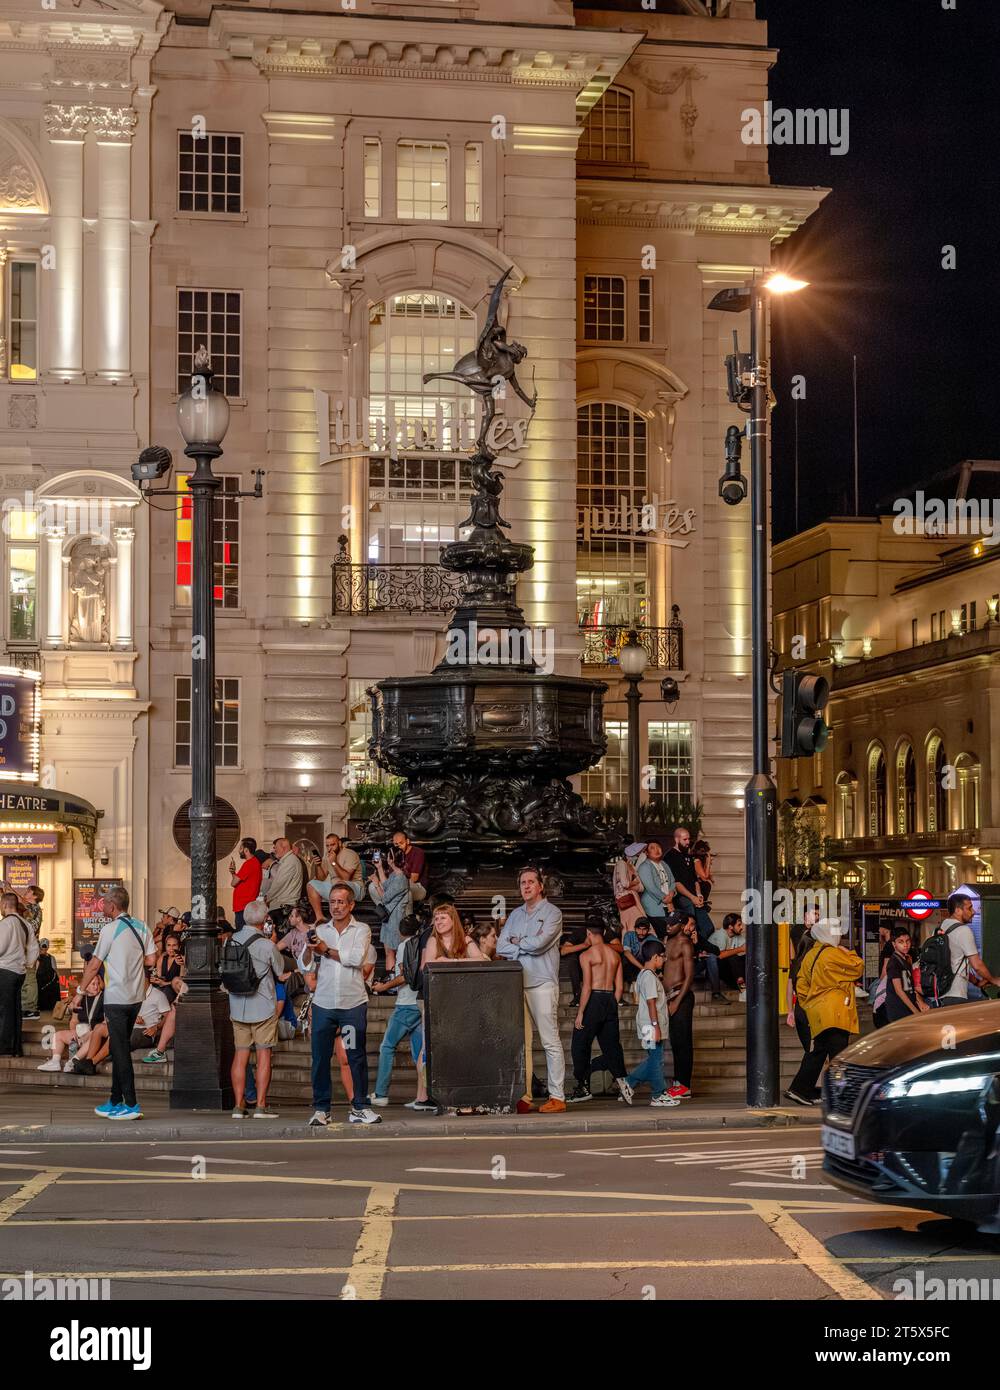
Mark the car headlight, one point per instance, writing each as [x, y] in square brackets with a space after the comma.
[942, 1079]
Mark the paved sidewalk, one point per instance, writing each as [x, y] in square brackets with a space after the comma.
[42, 1116]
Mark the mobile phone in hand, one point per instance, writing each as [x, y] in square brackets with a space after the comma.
[311, 936]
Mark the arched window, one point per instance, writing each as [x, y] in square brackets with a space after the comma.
[937, 790]
[906, 790]
[610, 489]
[967, 771]
[607, 134]
[847, 800]
[416, 500]
[877, 791]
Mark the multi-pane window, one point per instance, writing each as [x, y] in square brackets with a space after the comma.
[21, 530]
[373, 177]
[213, 319]
[225, 544]
[611, 486]
[360, 768]
[22, 316]
[608, 781]
[227, 721]
[422, 180]
[671, 756]
[607, 135]
[473, 182]
[209, 172]
[417, 499]
[645, 309]
[604, 308]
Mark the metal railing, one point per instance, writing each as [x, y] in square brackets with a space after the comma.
[914, 843]
[361, 589]
[663, 645]
[26, 660]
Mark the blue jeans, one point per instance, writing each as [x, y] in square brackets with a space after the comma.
[703, 922]
[650, 1069]
[353, 1025]
[403, 1021]
[708, 965]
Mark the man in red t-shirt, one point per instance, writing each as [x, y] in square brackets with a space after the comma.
[246, 880]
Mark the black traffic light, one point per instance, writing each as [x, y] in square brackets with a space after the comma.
[802, 729]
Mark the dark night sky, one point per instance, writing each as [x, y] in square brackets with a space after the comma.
[923, 171]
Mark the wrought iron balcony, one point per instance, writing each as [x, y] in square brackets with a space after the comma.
[663, 645]
[25, 660]
[919, 841]
[362, 589]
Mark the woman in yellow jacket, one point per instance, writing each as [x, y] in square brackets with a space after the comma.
[825, 989]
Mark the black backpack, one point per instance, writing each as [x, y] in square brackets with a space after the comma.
[936, 973]
[411, 956]
[239, 975]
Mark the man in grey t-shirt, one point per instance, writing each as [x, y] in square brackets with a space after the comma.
[965, 955]
[255, 1016]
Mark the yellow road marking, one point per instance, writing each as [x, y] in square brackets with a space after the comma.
[814, 1254]
[26, 1193]
[371, 1254]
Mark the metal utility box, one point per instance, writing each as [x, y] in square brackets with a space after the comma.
[474, 1033]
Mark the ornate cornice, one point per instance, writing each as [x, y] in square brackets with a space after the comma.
[774, 212]
[73, 121]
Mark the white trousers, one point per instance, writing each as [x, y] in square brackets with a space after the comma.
[543, 1008]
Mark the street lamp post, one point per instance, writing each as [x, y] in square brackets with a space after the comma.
[632, 664]
[752, 389]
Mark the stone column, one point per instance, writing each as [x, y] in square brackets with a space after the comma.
[124, 536]
[54, 535]
[66, 127]
[113, 126]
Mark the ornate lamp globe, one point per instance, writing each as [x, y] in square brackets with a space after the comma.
[632, 658]
[202, 410]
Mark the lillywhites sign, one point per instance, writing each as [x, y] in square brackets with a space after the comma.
[19, 726]
[355, 430]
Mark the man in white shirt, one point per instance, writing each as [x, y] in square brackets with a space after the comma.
[334, 964]
[964, 951]
[531, 936]
[126, 948]
[18, 954]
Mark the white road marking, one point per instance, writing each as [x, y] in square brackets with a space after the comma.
[797, 1186]
[487, 1173]
[21, 1151]
[207, 1158]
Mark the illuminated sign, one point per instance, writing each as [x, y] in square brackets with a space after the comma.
[29, 842]
[20, 720]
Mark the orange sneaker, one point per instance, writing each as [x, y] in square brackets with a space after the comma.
[552, 1106]
[524, 1107]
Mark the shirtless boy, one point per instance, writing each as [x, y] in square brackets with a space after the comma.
[597, 1016]
[678, 982]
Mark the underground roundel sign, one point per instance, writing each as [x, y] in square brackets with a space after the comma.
[919, 904]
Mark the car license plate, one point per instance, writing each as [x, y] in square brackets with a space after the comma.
[835, 1141]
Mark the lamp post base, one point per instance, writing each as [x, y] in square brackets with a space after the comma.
[203, 1053]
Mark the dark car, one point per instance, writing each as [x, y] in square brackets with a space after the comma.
[911, 1114]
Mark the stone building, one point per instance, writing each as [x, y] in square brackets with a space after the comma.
[904, 624]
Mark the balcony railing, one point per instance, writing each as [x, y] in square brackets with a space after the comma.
[915, 843]
[361, 589]
[26, 660]
[663, 645]
[907, 661]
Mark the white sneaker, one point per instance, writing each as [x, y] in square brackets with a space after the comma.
[69, 1065]
[363, 1117]
[743, 996]
[380, 1101]
[53, 1064]
[625, 1090]
[320, 1117]
[664, 1101]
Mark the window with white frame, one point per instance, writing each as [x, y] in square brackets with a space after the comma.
[209, 172]
[227, 721]
[671, 756]
[610, 558]
[225, 543]
[604, 308]
[422, 180]
[360, 767]
[213, 319]
[473, 182]
[608, 781]
[22, 320]
[373, 177]
[607, 134]
[417, 500]
[645, 308]
[21, 545]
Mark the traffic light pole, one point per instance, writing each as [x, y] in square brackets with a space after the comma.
[763, 1066]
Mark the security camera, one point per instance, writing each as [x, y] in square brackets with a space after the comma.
[154, 462]
[732, 484]
[670, 691]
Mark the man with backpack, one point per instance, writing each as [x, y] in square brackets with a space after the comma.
[405, 1019]
[825, 988]
[949, 955]
[18, 953]
[127, 950]
[249, 967]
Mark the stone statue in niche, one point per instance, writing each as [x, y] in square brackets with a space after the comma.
[88, 593]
